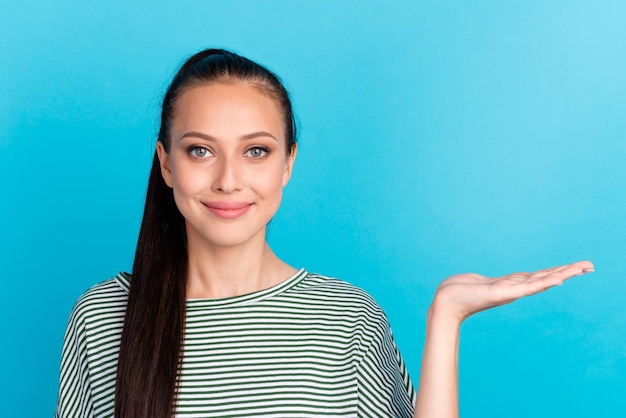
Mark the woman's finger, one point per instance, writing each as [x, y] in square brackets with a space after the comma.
[565, 271]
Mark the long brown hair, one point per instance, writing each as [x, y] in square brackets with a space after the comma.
[150, 350]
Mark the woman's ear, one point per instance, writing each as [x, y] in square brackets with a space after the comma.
[164, 160]
[291, 159]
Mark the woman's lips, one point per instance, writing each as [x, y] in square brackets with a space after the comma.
[228, 210]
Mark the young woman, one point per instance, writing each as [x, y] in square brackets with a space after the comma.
[212, 323]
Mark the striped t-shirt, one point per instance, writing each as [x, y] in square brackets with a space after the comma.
[309, 346]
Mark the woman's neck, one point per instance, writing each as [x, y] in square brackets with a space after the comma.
[218, 272]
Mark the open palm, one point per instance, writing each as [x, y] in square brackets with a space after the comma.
[469, 293]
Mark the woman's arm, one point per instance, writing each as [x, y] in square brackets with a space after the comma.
[456, 299]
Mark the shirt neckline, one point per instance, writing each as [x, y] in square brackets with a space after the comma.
[124, 279]
[248, 298]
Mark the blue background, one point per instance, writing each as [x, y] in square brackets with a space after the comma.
[437, 137]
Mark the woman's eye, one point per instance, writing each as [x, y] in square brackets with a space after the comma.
[257, 152]
[199, 152]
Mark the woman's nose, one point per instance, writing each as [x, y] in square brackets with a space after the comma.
[228, 176]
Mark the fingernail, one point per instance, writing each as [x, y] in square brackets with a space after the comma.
[587, 271]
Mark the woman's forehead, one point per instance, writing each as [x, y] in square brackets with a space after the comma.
[227, 108]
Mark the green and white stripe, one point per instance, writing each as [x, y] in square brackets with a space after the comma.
[311, 346]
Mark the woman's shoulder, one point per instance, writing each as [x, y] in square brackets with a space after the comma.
[110, 295]
[320, 289]
[335, 285]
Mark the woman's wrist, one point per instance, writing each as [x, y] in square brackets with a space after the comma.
[442, 315]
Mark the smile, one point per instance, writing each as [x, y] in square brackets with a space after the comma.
[228, 210]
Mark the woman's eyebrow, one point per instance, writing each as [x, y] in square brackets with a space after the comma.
[258, 134]
[210, 138]
[196, 135]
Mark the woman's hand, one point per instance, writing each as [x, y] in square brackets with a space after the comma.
[463, 295]
[457, 298]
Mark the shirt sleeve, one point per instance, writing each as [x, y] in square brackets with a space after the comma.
[74, 385]
[385, 389]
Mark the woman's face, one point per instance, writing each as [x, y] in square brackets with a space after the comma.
[227, 162]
